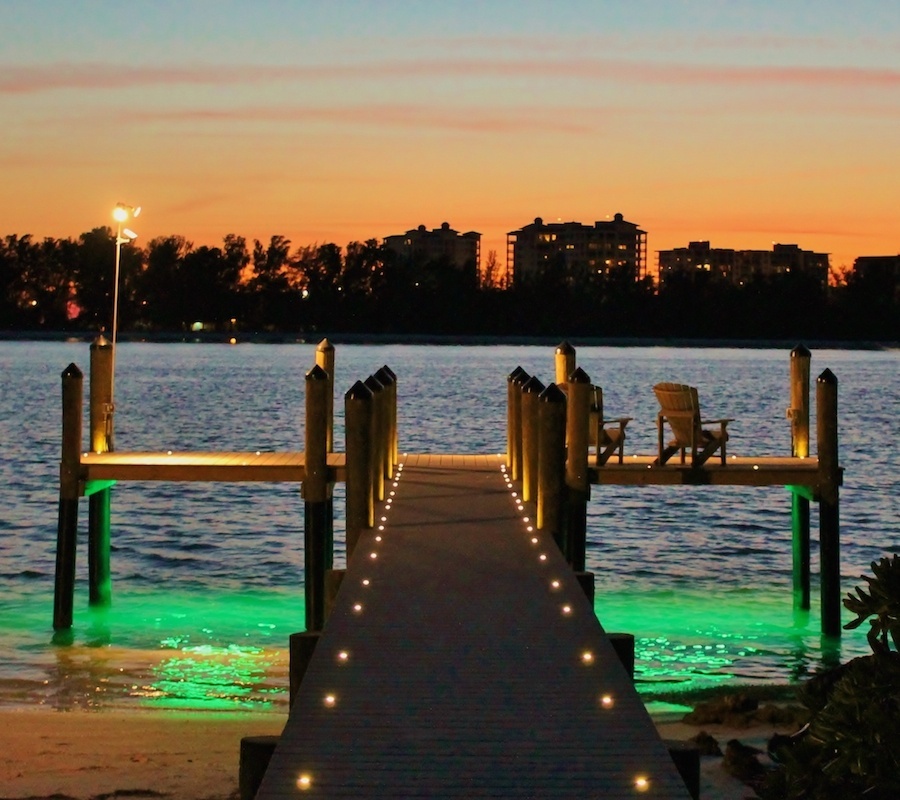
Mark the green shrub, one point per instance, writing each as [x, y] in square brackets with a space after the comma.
[851, 746]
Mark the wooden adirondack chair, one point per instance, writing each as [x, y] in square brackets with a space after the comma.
[607, 441]
[680, 407]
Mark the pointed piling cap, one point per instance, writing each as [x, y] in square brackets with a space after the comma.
[359, 391]
[514, 374]
[521, 379]
[800, 352]
[72, 371]
[385, 376]
[325, 345]
[374, 384]
[564, 348]
[390, 372]
[100, 341]
[533, 386]
[317, 374]
[552, 394]
[827, 377]
[579, 376]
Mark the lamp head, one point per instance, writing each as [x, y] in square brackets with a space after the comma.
[123, 211]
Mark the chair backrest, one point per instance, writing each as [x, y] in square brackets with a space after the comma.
[680, 404]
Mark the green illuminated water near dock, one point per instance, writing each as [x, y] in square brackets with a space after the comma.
[203, 650]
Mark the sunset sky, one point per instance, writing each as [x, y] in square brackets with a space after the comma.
[745, 123]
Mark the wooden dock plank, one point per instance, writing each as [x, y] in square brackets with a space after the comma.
[741, 471]
[290, 466]
[467, 672]
[203, 466]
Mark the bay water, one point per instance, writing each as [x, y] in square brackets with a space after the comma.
[208, 578]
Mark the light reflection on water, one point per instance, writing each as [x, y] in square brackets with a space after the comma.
[206, 594]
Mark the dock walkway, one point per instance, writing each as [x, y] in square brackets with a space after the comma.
[463, 660]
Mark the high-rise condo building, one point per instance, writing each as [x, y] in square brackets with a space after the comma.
[576, 252]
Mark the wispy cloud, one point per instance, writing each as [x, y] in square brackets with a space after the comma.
[467, 119]
[94, 76]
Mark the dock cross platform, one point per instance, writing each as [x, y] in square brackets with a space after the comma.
[462, 659]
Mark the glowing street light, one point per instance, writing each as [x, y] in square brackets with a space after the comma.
[121, 214]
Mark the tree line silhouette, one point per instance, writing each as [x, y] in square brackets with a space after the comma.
[167, 286]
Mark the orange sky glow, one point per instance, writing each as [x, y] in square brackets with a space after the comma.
[738, 123]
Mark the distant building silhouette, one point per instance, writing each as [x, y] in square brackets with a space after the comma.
[741, 266]
[880, 275]
[885, 268]
[576, 251]
[444, 243]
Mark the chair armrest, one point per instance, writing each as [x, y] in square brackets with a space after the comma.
[620, 421]
[724, 421]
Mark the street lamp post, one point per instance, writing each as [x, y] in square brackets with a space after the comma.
[121, 214]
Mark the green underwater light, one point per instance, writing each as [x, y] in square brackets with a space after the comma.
[687, 641]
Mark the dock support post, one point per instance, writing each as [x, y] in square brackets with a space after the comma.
[255, 754]
[69, 468]
[552, 464]
[360, 497]
[829, 502]
[799, 416]
[301, 647]
[318, 527]
[531, 390]
[378, 436]
[578, 487]
[564, 363]
[100, 503]
[386, 378]
[325, 359]
[394, 439]
[514, 383]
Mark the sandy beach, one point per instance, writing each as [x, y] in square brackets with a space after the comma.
[100, 755]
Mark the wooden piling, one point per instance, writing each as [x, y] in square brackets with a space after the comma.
[325, 359]
[829, 502]
[360, 484]
[799, 417]
[100, 502]
[623, 644]
[686, 757]
[255, 754]
[100, 393]
[69, 492]
[564, 362]
[586, 582]
[318, 527]
[301, 647]
[531, 390]
[333, 580]
[552, 463]
[386, 378]
[376, 451]
[514, 383]
[578, 486]
[395, 434]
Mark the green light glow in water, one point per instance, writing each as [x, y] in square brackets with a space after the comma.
[687, 641]
[220, 650]
[177, 649]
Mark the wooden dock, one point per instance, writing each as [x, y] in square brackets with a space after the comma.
[460, 656]
[201, 466]
[462, 659]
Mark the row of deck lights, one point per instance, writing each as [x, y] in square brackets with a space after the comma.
[342, 657]
[606, 700]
